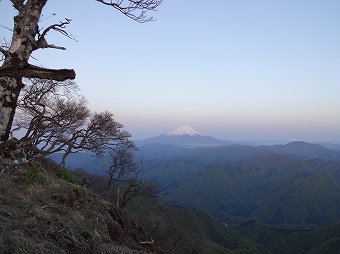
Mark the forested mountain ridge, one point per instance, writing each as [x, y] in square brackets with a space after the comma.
[306, 150]
[316, 240]
[207, 155]
[294, 186]
[276, 190]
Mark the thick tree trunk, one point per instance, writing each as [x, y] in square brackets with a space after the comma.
[23, 39]
[9, 92]
[16, 66]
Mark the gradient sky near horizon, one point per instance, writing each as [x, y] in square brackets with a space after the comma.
[233, 69]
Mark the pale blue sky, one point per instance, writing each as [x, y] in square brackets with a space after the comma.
[241, 69]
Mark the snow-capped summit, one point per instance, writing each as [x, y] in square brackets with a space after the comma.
[183, 130]
[184, 136]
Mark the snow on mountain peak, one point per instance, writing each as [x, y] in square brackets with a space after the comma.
[183, 130]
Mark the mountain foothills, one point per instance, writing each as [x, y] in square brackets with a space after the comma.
[285, 198]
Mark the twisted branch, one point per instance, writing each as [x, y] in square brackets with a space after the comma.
[134, 9]
[41, 43]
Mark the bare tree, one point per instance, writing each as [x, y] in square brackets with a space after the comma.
[55, 118]
[125, 171]
[28, 37]
[122, 165]
[136, 188]
[135, 10]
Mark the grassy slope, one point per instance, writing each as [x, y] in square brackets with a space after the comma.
[40, 213]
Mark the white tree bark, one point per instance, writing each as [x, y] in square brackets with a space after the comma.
[23, 39]
[26, 38]
[15, 66]
[9, 92]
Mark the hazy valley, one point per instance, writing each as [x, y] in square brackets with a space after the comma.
[276, 195]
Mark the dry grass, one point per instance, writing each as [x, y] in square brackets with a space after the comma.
[51, 215]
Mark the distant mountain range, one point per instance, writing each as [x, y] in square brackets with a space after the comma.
[203, 155]
[294, 183]
[184, 136]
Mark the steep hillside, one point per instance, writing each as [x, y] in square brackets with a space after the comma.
[190, 229]
[41, 213]
[177, 230]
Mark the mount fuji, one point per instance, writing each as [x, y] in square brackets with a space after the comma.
[184, 136]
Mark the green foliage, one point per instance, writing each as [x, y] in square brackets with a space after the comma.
[32, 175]
[67, 176]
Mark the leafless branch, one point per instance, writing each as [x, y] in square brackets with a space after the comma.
[45, 18]
[134, 9]
[137, 188]
[148, 242]
[34, 58]
[122, 164]
[32, 71]
[7, 28]
[42, 43]
[57, 27]
[3, 51]
[124, 170]
[55, 118]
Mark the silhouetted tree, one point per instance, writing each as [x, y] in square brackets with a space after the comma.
[134, 188]
[122, 165]
[125, 171]
[53, 117]
[28, 37]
